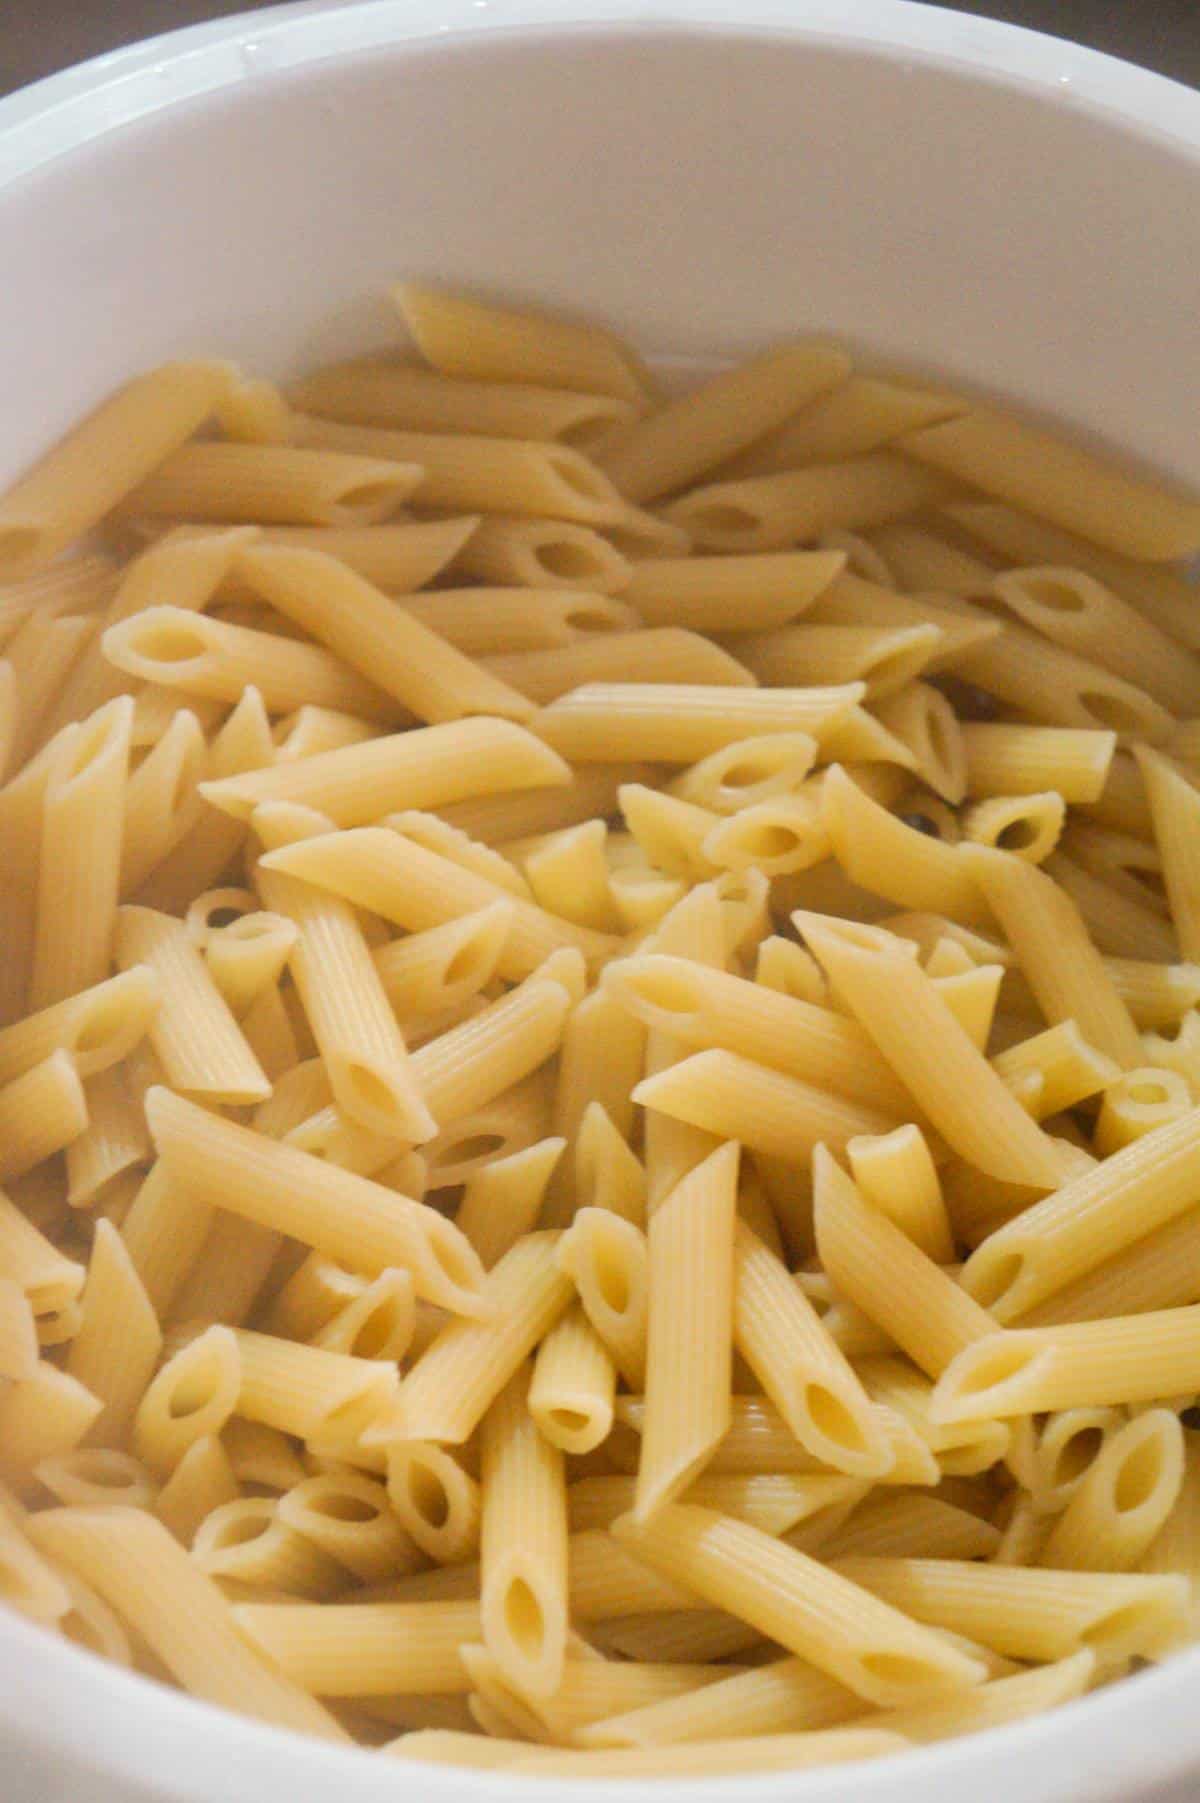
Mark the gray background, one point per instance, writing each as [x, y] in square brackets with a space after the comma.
[39, 36]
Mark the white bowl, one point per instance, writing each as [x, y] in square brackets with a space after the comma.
[1018, 212]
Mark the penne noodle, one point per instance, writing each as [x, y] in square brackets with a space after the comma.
[724, 594]
[386, 644]
[480, 341]
[1081, 1364]
[1061, 483]
[542, 554]
[372, 391]
[766, 513]
[661, 654]
[276, 485]
[480, 621]
[666, 450]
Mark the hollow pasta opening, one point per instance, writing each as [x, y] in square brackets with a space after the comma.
[169, 642]
[242, 1526]
[368, 1088]
[999, 1273]
[1138, 1476]
[1148, 1093]
[524, 1620]
[1019, 834]
[466, 964]
[901, 1669]
[377, 1330]
[572, 1422]
[428, 1495]
[1075, 1455]
[344, 1506]
[565, 558]
[723, 517]
[832, 1419]
[100, 1024]
[371, 497]
[1058, 594]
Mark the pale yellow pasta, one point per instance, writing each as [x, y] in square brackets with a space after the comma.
[882, 658]
[667, 449]
[1029, 1614]
[859, 415]
[210, 657]
[40, 659]
[765, 513]
[916, 1031]
[666, 655]
[1120, 926]
[1066, 1448]
[437, 1502]
[41, 1113]
[884, 855]
[961, 1449]
[1057, 687]
[1122, 1359]
[1056, 954]
[1135, 1104]
[423, 973]
[1063, 1067]
[1072, 762]
[29, 1583]
[364, 1649]
[748, 771]
[1175, 810]
[397, 558]
[248, 956]
[608, 1174]
[911, 1523]
[312, 1296]
[523, 1545]
[1123, 1499]
[878, 1653]
[375, 391]
[480, 621]
[136, 1566]
[376, 1324]
[503, 1199]
[568, 873]
[202, 1481]
[712, 1009]
[680, 723]
[228, 1272]
[389, 645]
[1061, 483]
[874, 1264]
[1093, 1216]
[462, 336]
[855, 600]
[192, 1395]
[22, 806]
[447, 1391]
[262, 1455]
[18, 1333]
[109, 453]
[41, 1416]
[732, 1097]
[607, 1260]
[437, 835]
[512, 1123]
[1074, 609]
[291, 484]
[1123, 862]
[162, 802]
[729, 1758]
[193, 1032]
[356, 1031]
[542, 554]
[691, 1290]
[117, 1346]
[895, 1173]
[311, 730]
[383, 870]
[572, 1388]
[345, 1216]
[1164, 595]
[467, 1067]
[779, 1334]
[1157, 995]
[1029, 826]
[473, 472]
[245, 1541]
[731, 594]
[1156, 1271]
[349, 1517]
[784, 1697]
[243, 743]
[80, 856]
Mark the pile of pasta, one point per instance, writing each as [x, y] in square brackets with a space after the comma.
[600, 1053]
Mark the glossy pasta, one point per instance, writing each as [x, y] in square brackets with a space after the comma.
[600, 1076]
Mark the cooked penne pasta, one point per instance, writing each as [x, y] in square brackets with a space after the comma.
[766, 513]
[880, 1654]
[1081, 1364]
[665, 450]
[523, 1545]
[542, 554]
[662, 654]
[276, 484]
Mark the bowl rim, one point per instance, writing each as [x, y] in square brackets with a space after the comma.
[49, 118]
[174, 1747]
